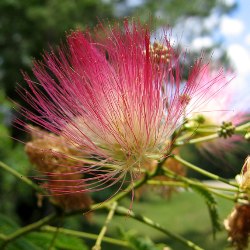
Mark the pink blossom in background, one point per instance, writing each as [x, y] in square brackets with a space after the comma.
[113, 100]
[223, 106]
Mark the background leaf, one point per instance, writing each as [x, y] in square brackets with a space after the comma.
[212, 206]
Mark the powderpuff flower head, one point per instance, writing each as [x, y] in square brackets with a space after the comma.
[116, 97]
[221, 110]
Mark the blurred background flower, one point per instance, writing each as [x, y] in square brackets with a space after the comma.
[221, 113]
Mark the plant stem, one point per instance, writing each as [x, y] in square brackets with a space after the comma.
[205, 130]
[243, 127]
[187, 182]
[124, 212]
[97, 245]
[21, 177]
[53, 241]
[3, 237]
[167, 183]
[31, 227]
[197, 140]
[181, 184]
[202, 171]
[228, 197]
[84, 235]
[221, 188]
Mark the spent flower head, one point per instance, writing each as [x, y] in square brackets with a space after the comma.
[113, 101]
[237, 225]
[243, 178]
[52, 155]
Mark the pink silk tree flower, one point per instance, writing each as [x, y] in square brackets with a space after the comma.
[221, 110]
[116, 97]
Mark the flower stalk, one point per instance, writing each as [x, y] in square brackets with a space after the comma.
[97, 245]
[27, 229]
[202, 171]
[21, 177]
[185, 182]
[83, 235]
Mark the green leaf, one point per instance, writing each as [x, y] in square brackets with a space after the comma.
[23, 244]
[212, 206]
[70, 242]
[139, 242]
[38, 240]
[44, 240]
[214, 216]
[7, 225]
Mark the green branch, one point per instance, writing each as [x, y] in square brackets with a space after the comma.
[3, 237]
[185, 183]
[180, 183]
[21, 177]
[84, 235]
[167, 183]
[202, 171]
[243, 127]
[97, 245]
[29, 228]
[198, 140]
[124, 212]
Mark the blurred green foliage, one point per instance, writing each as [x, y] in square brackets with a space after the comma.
[171, 11]
[39, 240]
[28, 27]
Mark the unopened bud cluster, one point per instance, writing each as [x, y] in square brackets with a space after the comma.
[227, 130]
